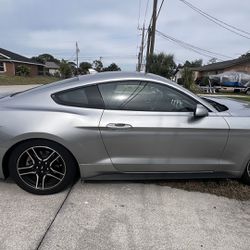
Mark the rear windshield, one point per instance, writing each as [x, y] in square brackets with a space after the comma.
[219, 107]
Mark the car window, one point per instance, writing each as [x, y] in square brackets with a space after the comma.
[145, 96]
[218, 106]
[88, 97]
[115, 95]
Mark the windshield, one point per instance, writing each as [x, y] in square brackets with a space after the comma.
[219, 107]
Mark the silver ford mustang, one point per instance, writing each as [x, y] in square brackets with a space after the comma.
[120, 126]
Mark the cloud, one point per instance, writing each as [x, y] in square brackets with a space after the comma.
[108, 28]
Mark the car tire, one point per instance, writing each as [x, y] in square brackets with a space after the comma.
[42, 167]
[246, 175]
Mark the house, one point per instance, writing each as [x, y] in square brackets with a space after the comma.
[238, 65]
[10, 61]
[52, 68]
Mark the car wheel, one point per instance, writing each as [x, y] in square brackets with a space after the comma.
[246, 176]
[42, 167]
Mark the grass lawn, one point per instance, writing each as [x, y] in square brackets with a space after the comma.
[21, 80]
[237, 96]
[243, 98]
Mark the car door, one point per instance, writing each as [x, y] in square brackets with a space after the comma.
[150, 127]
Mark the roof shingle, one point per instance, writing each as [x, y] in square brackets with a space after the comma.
[16, 57]
[222, 65]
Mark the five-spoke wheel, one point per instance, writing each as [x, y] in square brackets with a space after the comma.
[42, 167]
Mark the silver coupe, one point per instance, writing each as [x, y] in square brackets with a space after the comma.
[120, 126]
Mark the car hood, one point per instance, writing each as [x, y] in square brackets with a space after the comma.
[235, 107]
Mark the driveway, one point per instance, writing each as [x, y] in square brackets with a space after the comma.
[121, 215]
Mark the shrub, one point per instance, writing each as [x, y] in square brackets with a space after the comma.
[22, 70]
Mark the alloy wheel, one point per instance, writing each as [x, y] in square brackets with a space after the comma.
[41, 167]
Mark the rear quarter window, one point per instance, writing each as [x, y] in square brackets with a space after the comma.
[87, 97]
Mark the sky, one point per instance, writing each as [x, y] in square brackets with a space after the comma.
[109, 28]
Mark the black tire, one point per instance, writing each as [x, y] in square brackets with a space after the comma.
[246, 175]
[42, 167]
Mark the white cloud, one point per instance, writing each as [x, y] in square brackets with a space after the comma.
[109, 28]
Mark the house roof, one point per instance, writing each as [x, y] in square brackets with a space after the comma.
[51, 65]
[6, 55]
[222, 65]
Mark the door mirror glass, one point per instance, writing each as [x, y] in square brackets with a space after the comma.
[200, 111]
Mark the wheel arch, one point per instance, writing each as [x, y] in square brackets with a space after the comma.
[6, 157]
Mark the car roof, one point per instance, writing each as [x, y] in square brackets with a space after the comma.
[75, 82]
[104, 77]
[95, 78]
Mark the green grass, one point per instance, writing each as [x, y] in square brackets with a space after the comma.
[243, 98]
[237, 96]
[21, 80]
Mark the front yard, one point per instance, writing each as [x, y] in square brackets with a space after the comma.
[22, 80]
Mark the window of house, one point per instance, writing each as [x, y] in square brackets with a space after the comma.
[145, 96]
[88, 97]
[2, 67]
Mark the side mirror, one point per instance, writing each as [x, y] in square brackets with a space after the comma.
[200, 111]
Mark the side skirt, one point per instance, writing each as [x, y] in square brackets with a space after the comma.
[162, 176]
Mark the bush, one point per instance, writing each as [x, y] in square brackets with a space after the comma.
[22, 70]
[188, 77]
[65, 69]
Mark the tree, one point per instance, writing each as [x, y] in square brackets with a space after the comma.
[246, 55]
[84, 67]
[162, 64]
[212, 60]
[97, 65]
[65, 69]
[43, 58]
[112, 67]
[73, 68]
[193, 64]
[187, 77]
[38, 59]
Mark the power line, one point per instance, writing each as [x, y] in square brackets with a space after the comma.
[149, 35]
[146, 12]
[189, 48]
[158, 13]
[193, 48]
[139, 15]
[217, 21]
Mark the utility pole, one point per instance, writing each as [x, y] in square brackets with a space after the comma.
[77, 58]
[140, 55]
[151, 35]
[148, 48]
[154, 17]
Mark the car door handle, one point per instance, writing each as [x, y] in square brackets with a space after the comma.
[118, 126]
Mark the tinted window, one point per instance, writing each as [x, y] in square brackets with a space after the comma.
[145, 96]
[88, 97]
[219, 107]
